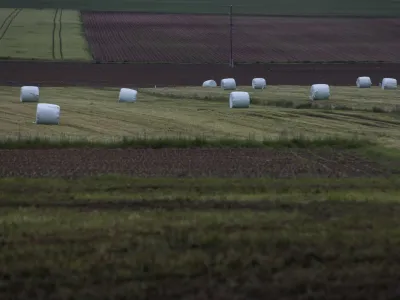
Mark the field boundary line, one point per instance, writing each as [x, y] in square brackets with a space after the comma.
[53, 44]
[60, 33]
[11, 17]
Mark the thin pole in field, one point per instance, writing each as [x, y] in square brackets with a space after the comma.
[231, 36]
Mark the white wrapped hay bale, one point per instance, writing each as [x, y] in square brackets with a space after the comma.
[127, 95]
[389, 84]
[319, 92]
[364, 82]
[209, 83]
[259, 83]
[47, 114]
[239, 100]
[228, 84]
[29, 94]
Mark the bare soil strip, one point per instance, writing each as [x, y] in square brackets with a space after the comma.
[148, 75]
[185, 163]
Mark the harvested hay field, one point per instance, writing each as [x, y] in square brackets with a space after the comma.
[243, 163]
[169, 38]
[94, 114]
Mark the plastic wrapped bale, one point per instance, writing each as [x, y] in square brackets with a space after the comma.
[209, 83]
[47, 114]
[259, 83]
[319, 92]
[127, 95]
[239, 100]
[29, 94]
[364, 82]
[389, 84]
[228, 84]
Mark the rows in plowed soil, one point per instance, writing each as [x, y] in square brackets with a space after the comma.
[185, 163]
[124, 36]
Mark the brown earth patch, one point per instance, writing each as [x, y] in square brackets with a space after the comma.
[185, 38]
[147, 75]
[185, 163]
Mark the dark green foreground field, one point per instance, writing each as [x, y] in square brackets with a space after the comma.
[118, 237]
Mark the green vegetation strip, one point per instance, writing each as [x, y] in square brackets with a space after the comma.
[311, 236]
[182, 142]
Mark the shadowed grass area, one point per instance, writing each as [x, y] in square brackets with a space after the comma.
[182, 142]
[289, 239]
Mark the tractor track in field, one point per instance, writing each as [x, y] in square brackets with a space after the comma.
[195, 162]
[8, 21]
[57, 34]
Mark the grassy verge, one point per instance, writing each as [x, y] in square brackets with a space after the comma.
[284, 7]
[183, 142]
[225, 239]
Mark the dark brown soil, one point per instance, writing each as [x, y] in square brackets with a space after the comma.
[178, 38]
[147, 75]
[185, 163]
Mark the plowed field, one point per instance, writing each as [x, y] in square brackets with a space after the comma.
[184, 163]
[205, 39]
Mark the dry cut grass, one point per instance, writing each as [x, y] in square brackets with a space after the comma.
[95, 114]
[30, 35]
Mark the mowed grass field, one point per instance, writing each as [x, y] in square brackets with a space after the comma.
[269, 7]
[187, 112]
[42, 34]
[106, 237]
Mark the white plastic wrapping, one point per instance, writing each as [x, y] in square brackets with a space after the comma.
[389, 84]
[259, 83]
[320, 92]
[127, 95]
[364, 82]
[228, 84]
[47, 114]
[239, 100]
[209, 83]
[29, 94]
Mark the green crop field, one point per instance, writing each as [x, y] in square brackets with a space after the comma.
[187, 112]
[288, 239]
[269, 7]
[42, 34]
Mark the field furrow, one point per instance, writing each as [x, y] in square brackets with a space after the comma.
[169, 38]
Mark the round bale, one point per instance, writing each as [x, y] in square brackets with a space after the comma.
[259, 83]
[209, 83]
[364, 82]
[239, 100]
[389, 84]
[127, 95]
[228, 84]
[319, 92]
[47, 114]
[29, 94]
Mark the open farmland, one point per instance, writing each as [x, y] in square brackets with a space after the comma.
[263, 7]
[169, 38]
[94, 114]
[49, 34]
[177, 196]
